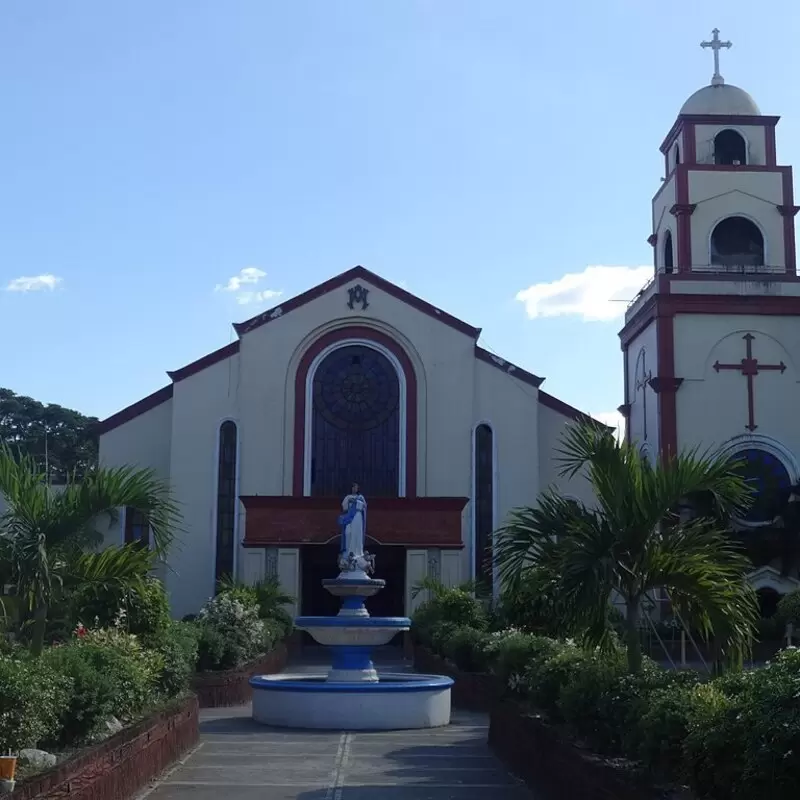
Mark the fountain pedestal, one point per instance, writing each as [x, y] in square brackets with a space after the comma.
[352, 695]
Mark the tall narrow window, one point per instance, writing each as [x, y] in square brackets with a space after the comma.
[137, 527]
[226, 500]
[484, 503]
[668, 262]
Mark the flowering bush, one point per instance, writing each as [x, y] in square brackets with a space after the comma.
[32, 698]
[231, 633]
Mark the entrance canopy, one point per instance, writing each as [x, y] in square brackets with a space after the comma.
[409, 521]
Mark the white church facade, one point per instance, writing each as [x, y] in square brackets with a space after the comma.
[354, 380]
[711, 346]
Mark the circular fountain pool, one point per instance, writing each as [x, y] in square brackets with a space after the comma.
[396, 701]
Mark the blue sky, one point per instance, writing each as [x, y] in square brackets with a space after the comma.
[468, 150]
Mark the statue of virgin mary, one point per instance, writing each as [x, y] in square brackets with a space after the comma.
[353, 523]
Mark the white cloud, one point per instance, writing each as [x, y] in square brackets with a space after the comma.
[243, 298]
[598, 294]
[33, 283]
[613, 419]
[249, 276]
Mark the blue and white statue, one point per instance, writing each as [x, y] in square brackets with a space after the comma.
[354, 563]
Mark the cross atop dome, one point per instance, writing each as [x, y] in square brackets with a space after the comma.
[716, 45]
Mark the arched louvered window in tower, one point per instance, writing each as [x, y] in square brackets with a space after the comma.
[484, 502]
[226, 501]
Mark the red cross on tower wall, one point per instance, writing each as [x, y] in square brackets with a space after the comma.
[750, 367]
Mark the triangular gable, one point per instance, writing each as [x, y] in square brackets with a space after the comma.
[340, 280]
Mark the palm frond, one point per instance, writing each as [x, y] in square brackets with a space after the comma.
[436, 588]
[79, 507]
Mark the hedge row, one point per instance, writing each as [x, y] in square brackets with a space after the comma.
[736, 736]
[115, 671]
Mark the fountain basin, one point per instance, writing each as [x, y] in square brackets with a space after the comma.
[361, 587]
[397, 701]
[352, 630]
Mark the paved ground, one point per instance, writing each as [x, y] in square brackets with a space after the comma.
[249, 762]
[245, 761]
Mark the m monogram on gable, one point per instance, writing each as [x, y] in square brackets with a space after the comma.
[357, 294]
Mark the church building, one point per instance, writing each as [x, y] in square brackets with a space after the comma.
[355, 380]
[711, 344]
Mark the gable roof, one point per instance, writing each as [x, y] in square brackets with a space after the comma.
[340, 280]
[356, 273]
[135, 409]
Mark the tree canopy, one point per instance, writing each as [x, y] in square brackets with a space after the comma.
[61, 441]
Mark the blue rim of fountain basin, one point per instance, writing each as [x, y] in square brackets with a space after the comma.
[319, 684]
[353, 582]
[352, 622]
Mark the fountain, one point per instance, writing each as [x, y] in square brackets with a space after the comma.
[352, 695]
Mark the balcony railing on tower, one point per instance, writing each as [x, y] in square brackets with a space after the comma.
[732, 266]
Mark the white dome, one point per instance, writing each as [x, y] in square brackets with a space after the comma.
[723, 99]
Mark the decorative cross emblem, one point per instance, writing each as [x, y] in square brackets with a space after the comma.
[642, 379]
[716, 45]
[749, 367]
[357, 294]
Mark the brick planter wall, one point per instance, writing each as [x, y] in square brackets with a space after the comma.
[121, 765]
[556, 769]
[473, 691]
[232, 687]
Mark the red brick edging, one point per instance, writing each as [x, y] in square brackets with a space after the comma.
[473, 691]
[120, 766]
[232, 687]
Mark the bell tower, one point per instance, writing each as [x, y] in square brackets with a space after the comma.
[711, 345]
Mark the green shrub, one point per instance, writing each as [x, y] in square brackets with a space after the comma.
[532, 608]
[509, 653]
[662, 729]
[465, 649]
[580, 702]
[543, 680]
[92, 695]
[145, 612]
[33, 698]
[440, 635]
[133, 669]
[212, 650]
[789, 609]
[715, 742]
[448, 605]
[178, 647]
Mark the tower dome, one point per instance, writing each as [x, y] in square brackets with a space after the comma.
[721, 99]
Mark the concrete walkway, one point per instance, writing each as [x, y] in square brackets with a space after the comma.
[238, 759]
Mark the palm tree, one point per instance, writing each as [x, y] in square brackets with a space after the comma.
[634, 540]
[47, 535]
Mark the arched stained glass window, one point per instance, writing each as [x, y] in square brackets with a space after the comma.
[226, 501]
[768, 477]
[355, 424]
